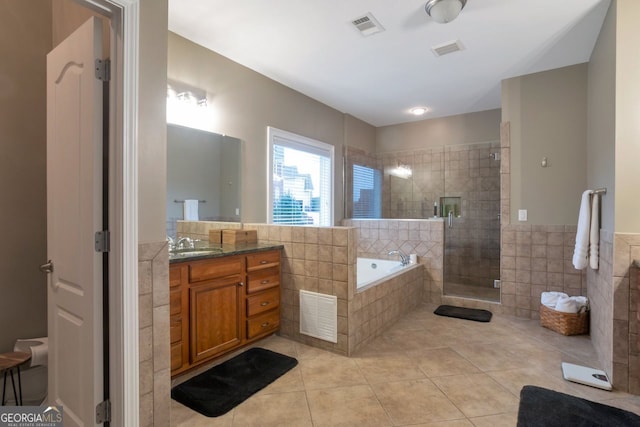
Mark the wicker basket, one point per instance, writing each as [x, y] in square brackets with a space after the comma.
[564, 323]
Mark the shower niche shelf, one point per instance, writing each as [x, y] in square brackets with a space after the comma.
[451, 204]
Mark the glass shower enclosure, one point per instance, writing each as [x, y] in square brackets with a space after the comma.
[459, 183]
[471, 209]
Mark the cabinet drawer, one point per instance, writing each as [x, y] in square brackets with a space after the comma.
[263, 279]
[174, 276]
[175, 302]
[175, 329]
[176, 356]
[212, 269]
[264, 301]
[263, 323]
[261, 260]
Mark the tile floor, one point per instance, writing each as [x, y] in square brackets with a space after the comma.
[425, 370]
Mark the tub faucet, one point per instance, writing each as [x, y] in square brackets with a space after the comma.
[404, 259]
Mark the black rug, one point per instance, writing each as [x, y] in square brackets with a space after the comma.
[474, 314]
[540, 407]
[218, 390]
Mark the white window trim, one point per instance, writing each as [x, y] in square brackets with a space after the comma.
[297, 140]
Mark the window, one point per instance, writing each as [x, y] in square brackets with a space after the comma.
[300, 179]
[367, 192]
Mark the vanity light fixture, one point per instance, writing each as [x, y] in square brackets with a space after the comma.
[419, 111]
[444, 11]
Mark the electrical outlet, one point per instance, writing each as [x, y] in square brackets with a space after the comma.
[237, 211]
[522, 214]
[496, 283]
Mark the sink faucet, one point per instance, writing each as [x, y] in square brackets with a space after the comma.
[180, 244]
[404, 259]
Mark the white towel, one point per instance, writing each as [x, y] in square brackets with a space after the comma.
[551, 298]
[594, 232]
[567, 305]
[191, 210]
[580, 253]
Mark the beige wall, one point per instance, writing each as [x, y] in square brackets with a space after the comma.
[25, 39]
[359, 134]
[548, 116]
[627, 109]
[245, 103]
[152, 132]
[601, 113]
[483, 126]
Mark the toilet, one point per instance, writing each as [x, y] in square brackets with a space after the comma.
[33, 375]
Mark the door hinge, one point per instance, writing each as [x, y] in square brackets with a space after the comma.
[103, 70]
[102, 241]
[103, 412]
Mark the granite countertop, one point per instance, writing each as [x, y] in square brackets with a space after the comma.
[205, 250]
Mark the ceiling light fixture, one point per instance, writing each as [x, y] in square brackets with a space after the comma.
[418, 111]
[444, 11]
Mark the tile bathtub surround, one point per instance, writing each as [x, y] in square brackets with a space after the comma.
[424, 370]
[423, 237]
[153, 306]
[374, 308]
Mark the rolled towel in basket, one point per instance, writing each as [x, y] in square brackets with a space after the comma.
[550, 299]
[567, 305]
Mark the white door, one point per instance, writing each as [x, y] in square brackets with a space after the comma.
[74, 214]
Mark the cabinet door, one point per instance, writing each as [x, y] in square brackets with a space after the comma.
[215, 317]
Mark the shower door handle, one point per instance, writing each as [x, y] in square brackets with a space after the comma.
[450, 220]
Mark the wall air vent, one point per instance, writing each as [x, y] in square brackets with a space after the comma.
[447, 48]
[367, 25]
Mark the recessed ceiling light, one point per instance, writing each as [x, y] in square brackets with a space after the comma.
[418, 111]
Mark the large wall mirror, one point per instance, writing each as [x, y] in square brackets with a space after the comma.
[206, 167]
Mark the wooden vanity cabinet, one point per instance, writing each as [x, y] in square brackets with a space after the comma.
[218, 305]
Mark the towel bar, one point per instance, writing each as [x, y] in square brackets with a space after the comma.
[600, 191]
[182, 201]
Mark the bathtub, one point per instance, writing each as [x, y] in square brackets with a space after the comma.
[369, 270]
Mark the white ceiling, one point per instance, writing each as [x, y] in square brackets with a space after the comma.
[312, 47]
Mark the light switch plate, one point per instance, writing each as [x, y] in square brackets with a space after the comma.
[522, 214]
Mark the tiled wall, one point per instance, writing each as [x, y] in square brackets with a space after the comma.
[316, 259]
[199, 230]
[626, 357]
[174, 227]
[423, 237]
[536, 259]
[323, 260]
[601, 296]
[153, 306]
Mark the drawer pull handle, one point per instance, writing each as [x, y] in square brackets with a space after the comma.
[264, 282]
[264, 261]
[240, 284]
[265, 324]
[263, 303]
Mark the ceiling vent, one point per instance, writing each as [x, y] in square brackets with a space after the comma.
[447, 48]
[367, 25]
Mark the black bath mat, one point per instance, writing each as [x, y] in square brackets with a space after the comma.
[221, 388]
[464, 313]
[540, 407]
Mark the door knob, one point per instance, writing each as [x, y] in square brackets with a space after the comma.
[47, 268]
